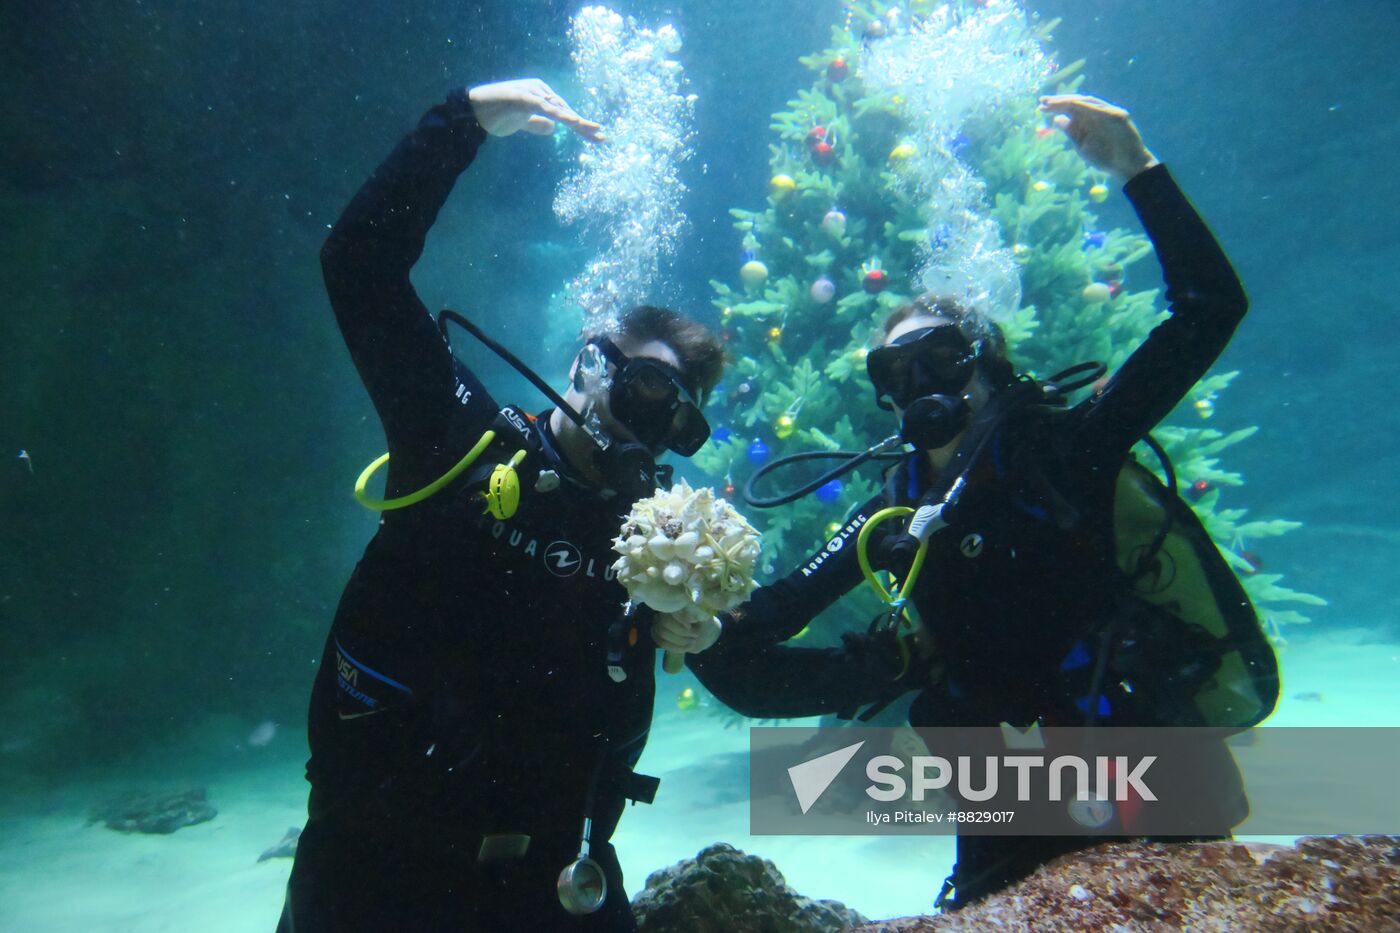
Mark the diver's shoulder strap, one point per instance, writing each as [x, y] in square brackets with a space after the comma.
[515, 428]
[981, 433]
[517, 443]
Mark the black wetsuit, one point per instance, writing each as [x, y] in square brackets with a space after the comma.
[478, 678]
[1017, 588]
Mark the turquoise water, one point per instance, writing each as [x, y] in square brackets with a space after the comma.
[179, 529]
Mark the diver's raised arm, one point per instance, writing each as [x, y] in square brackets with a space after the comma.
[1103, 133]
[367, 257]
[529, 104]
[1204, 294]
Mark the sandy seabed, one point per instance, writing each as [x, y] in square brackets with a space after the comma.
[59, 873]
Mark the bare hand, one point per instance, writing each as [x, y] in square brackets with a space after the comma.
[684, 633]
[1102, 133]
[528, 104]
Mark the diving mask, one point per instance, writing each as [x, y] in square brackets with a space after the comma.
[929, 361]
[652, 400]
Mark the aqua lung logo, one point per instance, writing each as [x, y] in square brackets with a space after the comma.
[834, 545]
[562, 559]
[971, 546]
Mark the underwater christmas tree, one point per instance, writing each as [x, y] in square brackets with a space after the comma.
[917, 161]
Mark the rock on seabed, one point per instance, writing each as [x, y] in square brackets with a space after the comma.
[1342, 883]
[723, 890]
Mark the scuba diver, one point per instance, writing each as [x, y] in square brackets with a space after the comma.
[1056, 581]
[483, 696]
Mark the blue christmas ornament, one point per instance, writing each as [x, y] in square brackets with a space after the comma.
[758, 452]
[748, 255]
[1094, 239]
[958, 144]
[830, 492]
[721, 433]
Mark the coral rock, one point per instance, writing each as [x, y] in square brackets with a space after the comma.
[722, 890]
[1349, 883]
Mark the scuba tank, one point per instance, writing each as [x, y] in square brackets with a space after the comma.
[1175, 575]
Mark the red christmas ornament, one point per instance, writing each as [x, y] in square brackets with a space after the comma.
[875, 281]
[729, 490]
[815, 135]
[1199, 488]
[1115, 287]
[838, 69]
[823, 154]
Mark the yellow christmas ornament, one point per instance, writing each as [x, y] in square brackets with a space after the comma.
[1098, 193]
[1205, 407]
[774, 333]
[785, 426]
[687, 700]
[902, 152]
[781, 186]
[1041, 186]
[753, 273]
[1096, 293]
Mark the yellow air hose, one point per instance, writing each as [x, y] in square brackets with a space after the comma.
[385, 505]
[897, 600]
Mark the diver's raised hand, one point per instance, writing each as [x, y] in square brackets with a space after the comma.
[1102, 132]
[683, 632]
[528, 104]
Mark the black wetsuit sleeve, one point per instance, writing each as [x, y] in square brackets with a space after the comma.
[750, 672]
[785, 682]
[1206, 302]
[401, 357]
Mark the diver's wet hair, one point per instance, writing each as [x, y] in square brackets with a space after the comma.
[699, 350]
[980, 331]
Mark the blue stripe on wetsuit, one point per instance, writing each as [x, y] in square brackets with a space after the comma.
[373, 673]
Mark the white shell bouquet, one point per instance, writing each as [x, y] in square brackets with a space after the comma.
[687, 550]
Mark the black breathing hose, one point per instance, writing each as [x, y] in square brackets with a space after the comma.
[851, 459]
[448, 314]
